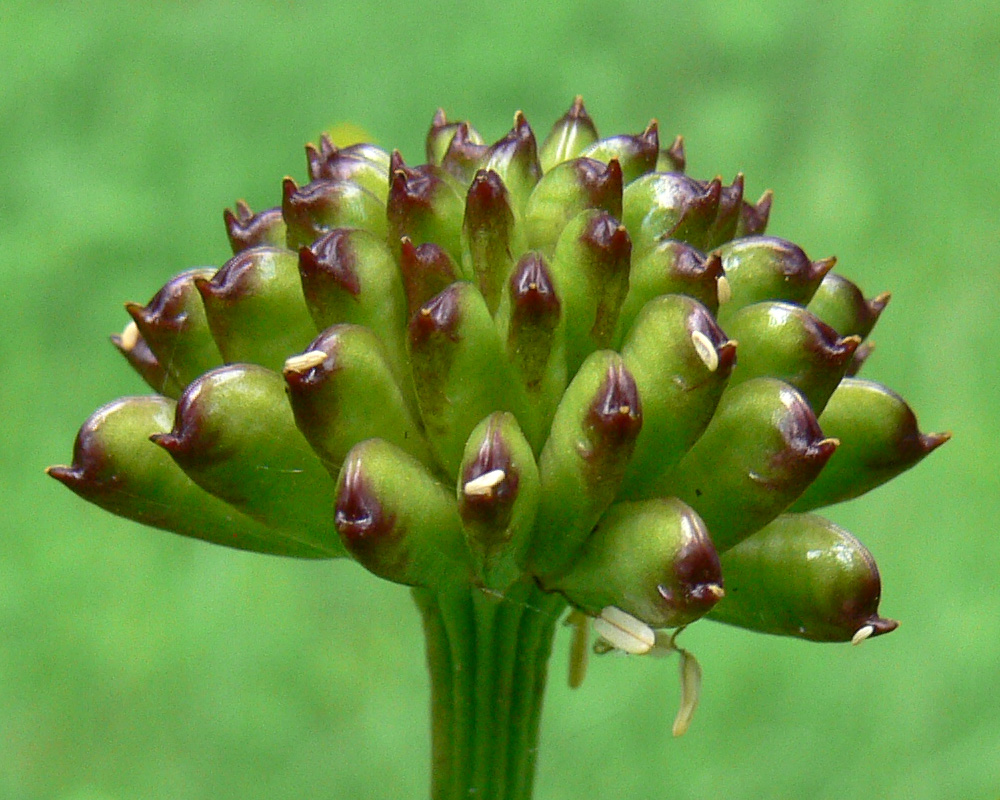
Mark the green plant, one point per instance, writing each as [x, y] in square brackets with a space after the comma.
[520, 398]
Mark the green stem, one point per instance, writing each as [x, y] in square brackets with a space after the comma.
[488, 655]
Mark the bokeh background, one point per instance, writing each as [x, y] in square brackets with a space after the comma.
[134, 664]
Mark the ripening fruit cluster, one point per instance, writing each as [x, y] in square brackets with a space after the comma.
[571, 364]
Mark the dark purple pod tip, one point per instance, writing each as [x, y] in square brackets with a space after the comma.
[702, 324]
[486, 198]
[491, 507]
[463, 153]
[698, 576]
[616, 413]
[650, 138]
[531, 287]
[359, 517]
[819, 268]
[188, 438]
[235, 278]
[426, 269]
[675, 154]
[877, 305]
[754, 216]
[518, 145]
[441, 314]
[861, 355]
[577, 113]
[409, 186]
[826, 344]
[89, 470]
[331, 259]
[318, 159]
[804, 439]
[332, 163]
[246, 229]
[609, 239]
[311, 369]
[932, 441]
[167, 310]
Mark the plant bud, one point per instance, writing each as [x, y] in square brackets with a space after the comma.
[637, 155]
[761, 450]
[572, 133]
[234, 435]
[653, 560]
[803, 576]
[498, 492]
[672, 267]
[840, 304]
[879, 438]
[116, 467]
[427, 270]
[590, 270]
[425, 206]
[320, 206]
[131, 345]
[459, 372]
[442, 134]
[681, 361]
[342, 391]
[255, 308]
[363, 164]
[515, 159]
[783, 341]
[668, 205]
[397, 521]
[589, 446]
[350, 276]
[490, 236]
[761, 268]
[564, 192]
[174, 327]
[246, 229]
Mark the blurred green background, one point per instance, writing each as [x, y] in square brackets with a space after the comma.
[134, 664]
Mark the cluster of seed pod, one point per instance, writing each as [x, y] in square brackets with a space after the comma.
[509, 364]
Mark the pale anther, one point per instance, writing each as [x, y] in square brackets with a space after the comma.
[484, 485]
[862, 633]
[130, 337]
[723, 289]
[305, 362]
[690, 692]
[706, 350]
[624, 632]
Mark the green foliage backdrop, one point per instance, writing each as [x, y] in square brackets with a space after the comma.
[137, 665]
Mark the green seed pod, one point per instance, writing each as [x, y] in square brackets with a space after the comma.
[653, 559]
[255, 308]
[672, 159]
[320, 206]
[515, 159]
[761, 450]
[246, 229]
[672, 267]
[131, 345]
[761, 268]
[365, 165]
[589, 446]
[590, 270]
[637, 155]
[333, 387]
[498, 491]
[427, 270]
[840, 304]
[424, 204]
[234, 435]
[442, 134]
[397, 521]
[465, 154]
[754, 216]
[174, 327]
[668, 205]
[459, 372]
[784, 341]
[116, 467]
[803, 576]
[564, 192]
[490, 236]
[531, 327]
[681, 361]
[879, 439]
[572, 133]
[350, 276]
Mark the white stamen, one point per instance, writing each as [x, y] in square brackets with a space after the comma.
[723, 289]
[690, 692]
[624, 632]
[706, 350]
[305, 362]
[862, 633]
[130, 337]
[484, 485]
